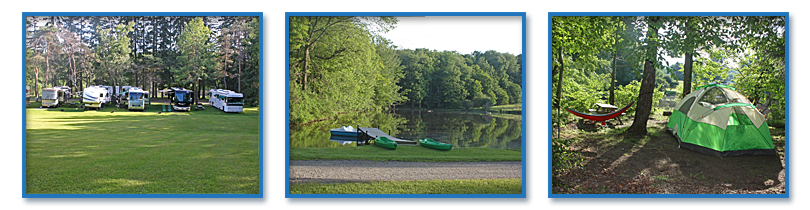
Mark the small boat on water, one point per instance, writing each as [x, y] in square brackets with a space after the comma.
[344, 131]
[385, 142]
[429, 143]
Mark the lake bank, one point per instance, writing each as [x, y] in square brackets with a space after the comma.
[405, 153]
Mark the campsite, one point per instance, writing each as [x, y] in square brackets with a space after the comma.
[148, 105]
[668, 105]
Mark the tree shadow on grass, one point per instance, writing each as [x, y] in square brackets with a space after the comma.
[656, 158]
[78, 153]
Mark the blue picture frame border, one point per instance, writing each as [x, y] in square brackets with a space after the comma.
[682, 200]
[262, 199]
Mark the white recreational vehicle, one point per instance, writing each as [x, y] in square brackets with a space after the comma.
[225, 100]
[137, 99]
[55, 96]
[95, 96]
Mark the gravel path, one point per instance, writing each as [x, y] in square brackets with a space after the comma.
[363, 170]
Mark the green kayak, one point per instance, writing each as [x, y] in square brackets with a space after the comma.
[429, 143]
[385, 143]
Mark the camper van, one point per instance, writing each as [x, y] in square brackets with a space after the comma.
[225, 100]
[137, 98]
[55, 96]
[181, 99]
[95, 96]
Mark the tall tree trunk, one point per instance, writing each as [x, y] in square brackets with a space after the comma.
[560, 78]
[645, 96]
[81, 85]
[36, 81]
[687, 74]
[225, 70]
[202, 87]
[47, 70]
[73, 70]
[196, 85]
[306, 66]
[613, 80]
[240, 76]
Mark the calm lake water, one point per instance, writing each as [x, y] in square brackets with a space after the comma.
[463, 130]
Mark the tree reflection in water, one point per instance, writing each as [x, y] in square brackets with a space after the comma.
[463, 130]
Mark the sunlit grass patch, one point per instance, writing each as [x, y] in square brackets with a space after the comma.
[454, 186]
[115, 151]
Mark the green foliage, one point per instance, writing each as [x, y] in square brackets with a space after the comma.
[250, 75]
[664, 80]
[581, 91]
[711, 70]
[762, 80]
[335, 67]
[481, 100]
[562, 158]
[630, 92]
[197, 54]
[113, 50]
[448, 79]
[387, 90]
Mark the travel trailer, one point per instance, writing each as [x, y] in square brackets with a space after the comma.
[96, 96]
[225, 100]
[55, 96]
[121, 93]
[137, 99]
[181, 99]
[110, 93]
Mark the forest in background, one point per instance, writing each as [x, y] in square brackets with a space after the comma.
[345, 64]
[151, 52]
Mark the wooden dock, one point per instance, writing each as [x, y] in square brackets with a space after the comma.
[374, 133]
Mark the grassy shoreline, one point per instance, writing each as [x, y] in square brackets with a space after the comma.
[452, 186]
[406, 153]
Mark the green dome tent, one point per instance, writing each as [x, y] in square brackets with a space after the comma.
[718, 121]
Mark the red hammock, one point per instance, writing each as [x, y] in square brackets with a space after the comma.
[601, 117]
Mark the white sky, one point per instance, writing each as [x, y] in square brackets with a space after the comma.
[463, 34]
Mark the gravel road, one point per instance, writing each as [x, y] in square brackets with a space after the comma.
[362, 170]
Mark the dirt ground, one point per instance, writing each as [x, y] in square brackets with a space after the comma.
[615, 162]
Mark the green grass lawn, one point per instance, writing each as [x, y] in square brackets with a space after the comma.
[141, 152]
[455, 186]
[405, 153]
